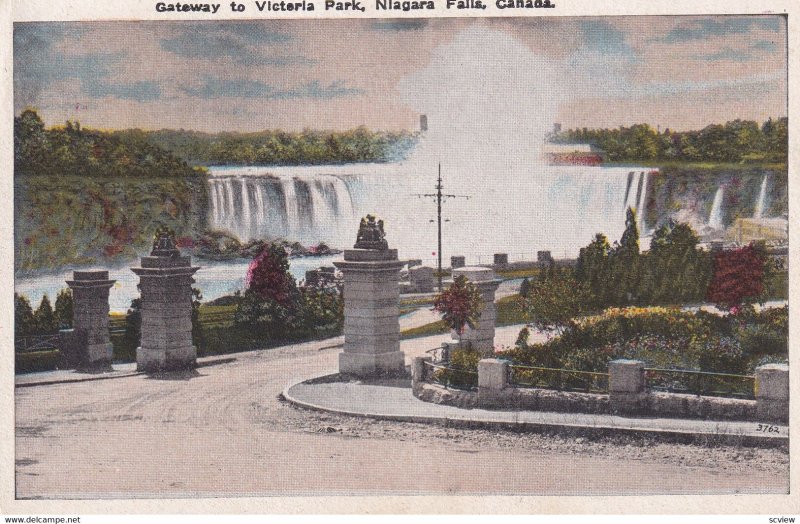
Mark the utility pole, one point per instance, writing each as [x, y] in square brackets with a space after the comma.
[440, 197]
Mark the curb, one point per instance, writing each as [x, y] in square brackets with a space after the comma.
[77, 380]
[212, 360]
[767, 440]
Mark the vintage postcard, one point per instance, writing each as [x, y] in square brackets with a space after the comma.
[429, 256]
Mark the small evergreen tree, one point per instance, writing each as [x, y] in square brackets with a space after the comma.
[64, 309]
[624, 261]
[44, 318]
[675, 270]
[24, 324]
[525, 287]
[592, 270]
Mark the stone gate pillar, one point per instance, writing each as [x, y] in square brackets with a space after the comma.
[482, 337]
[90, 290]
[165, 281]
[371, 304]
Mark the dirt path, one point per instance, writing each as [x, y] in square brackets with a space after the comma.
[222, 431]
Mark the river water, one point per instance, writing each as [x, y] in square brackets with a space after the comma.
[214, 279]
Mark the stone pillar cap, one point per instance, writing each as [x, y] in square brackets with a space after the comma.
[90, 279]
[475, 273]
[90, 275]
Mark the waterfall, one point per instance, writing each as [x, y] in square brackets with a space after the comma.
[640, 206]
[260, 217]
[246, 221]
[628, 188]
[230, 216]
[290, 209]
[343, 196]
[761, 203]
[715, 217]
[564, 206]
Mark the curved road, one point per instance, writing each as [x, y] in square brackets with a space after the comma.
[222, 431]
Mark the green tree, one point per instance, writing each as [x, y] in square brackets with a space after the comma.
[624, 262]
[460, 305]
[554, 302]
[24, 324]
[524, 287]
[64, 309]
[269, 308]
[44, 318]
[675, 271]
[592, 270]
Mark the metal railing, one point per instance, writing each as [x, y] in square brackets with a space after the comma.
[450, 377]
[438, 354]
[32, 343]
[558, 379]
[700, 383]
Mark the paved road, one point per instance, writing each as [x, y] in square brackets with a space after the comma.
[221, 431]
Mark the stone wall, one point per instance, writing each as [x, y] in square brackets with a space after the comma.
[626, 395]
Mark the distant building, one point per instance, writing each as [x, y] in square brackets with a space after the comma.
[573, 154]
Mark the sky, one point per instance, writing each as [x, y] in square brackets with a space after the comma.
[675, 72]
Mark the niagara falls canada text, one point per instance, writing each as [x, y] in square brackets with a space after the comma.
[350, 5]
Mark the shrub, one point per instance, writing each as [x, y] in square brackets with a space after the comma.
[463, 368]
[555, 300]
[36, 361]
[269, 277]
[720, 355]
[738, 277]
[460, 305]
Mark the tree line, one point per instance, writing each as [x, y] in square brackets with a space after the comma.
[45, 320]
[674, 271]
[273, 147]
[737, 141]
[74, 151]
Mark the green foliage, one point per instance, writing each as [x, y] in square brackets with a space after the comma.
[276, 147]
[525, 287]
[460, 305]
[462, 369]
[268, 276]
[625, 264]
[197, 331]
[23, 316]
[593, 270]
[734, 141]
[674, 271]
[75, 151]
[665, 338]
[554, 301]
[274, 308]
[44, 319]
[35, 361]
[83, 197]
[64, 309]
